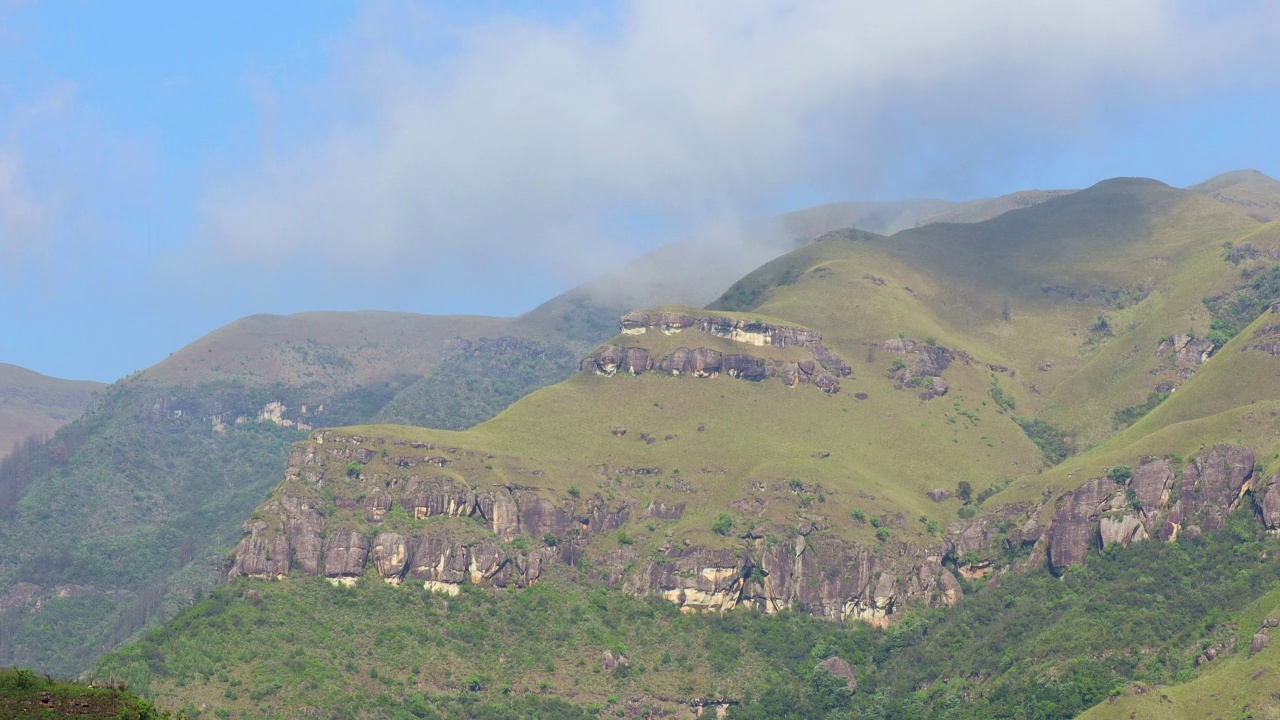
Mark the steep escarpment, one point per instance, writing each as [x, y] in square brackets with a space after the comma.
[822, 367]
[413, 511]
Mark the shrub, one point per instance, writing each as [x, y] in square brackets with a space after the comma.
[858, 515]
[964, 491]
[353, 469]
[723, 524]
[1120, 474]
[882, 534]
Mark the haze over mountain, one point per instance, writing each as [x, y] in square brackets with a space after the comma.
[762, 359]
[341, 144]
[34, 405]
[775, 452]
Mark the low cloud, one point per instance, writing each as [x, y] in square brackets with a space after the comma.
[520, 144]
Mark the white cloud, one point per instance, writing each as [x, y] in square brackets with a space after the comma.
[522, 144]
[21, 217]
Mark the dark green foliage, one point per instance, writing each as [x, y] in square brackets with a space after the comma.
[723, 524]
[121, 501]
[964, 491]
[23, 694]
[1233, 311]
[1054, 443]
[473, 381]
[1003, 400]
[1031, 646]
[1125, 417]
[1120, 474]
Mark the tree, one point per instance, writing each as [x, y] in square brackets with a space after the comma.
[964, 491]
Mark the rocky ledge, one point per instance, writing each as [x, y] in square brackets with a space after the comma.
[1159, 499]
[346, 509]
[822, 371]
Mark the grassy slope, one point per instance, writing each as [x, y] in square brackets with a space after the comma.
[34, 404]
[1240, 685]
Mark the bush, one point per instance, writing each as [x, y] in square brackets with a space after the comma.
[723, 524]
[1120, 474]
[1055, 444]
[858, 515]
[882, 534]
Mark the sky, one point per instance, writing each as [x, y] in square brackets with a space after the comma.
[166, 168]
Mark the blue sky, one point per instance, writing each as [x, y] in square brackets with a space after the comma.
[166, 168]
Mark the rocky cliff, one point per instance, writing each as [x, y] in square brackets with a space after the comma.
[411, 511]
[821, 369]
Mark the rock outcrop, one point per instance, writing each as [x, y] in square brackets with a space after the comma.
[1185, 350]
[822, 371]
[840, 668]
[924, 372]
[504, 535]
[1153, 502]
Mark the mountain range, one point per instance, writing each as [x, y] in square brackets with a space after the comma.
[1014, 457]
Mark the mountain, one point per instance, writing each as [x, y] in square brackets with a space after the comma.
[1249, 190]
[32, 404]
[124, 516]
[1070, 405]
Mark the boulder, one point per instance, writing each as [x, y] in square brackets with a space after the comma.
[1260, 641]
[1269, 506]
[938, 495]
[840, 668]
[680, 362]
[390, 555]
[376, 506]
[500, 512]
[345, 552]
[1075, 529]
[745, 367]
[706, 363]
[636, 361]
[634, 323]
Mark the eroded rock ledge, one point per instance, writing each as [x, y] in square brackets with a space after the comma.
[1160, 500]
[822, 371]
[330, 519]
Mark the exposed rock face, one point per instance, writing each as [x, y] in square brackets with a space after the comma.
[822, 574]
[938, 495]
[1269, 507]
[390, 555]
[1260, 641]
[1267, 339]
[924, 373]
[746, 367]
[1101, 512]
[498, 508]
[345, 553]
[819, 573]
[259, 557]
[1185, 349]
[838, 667]
[822, 371]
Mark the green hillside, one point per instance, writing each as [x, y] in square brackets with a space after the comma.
[867, 428]
[125, 515]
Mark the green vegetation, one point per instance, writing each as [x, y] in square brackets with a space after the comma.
[473, 381]
[723, 524]
[1054, 443]
[136, 507]
[27, 695]
[1030, 646]
[1003, 399]
[1124, 417]
[1233, 311]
